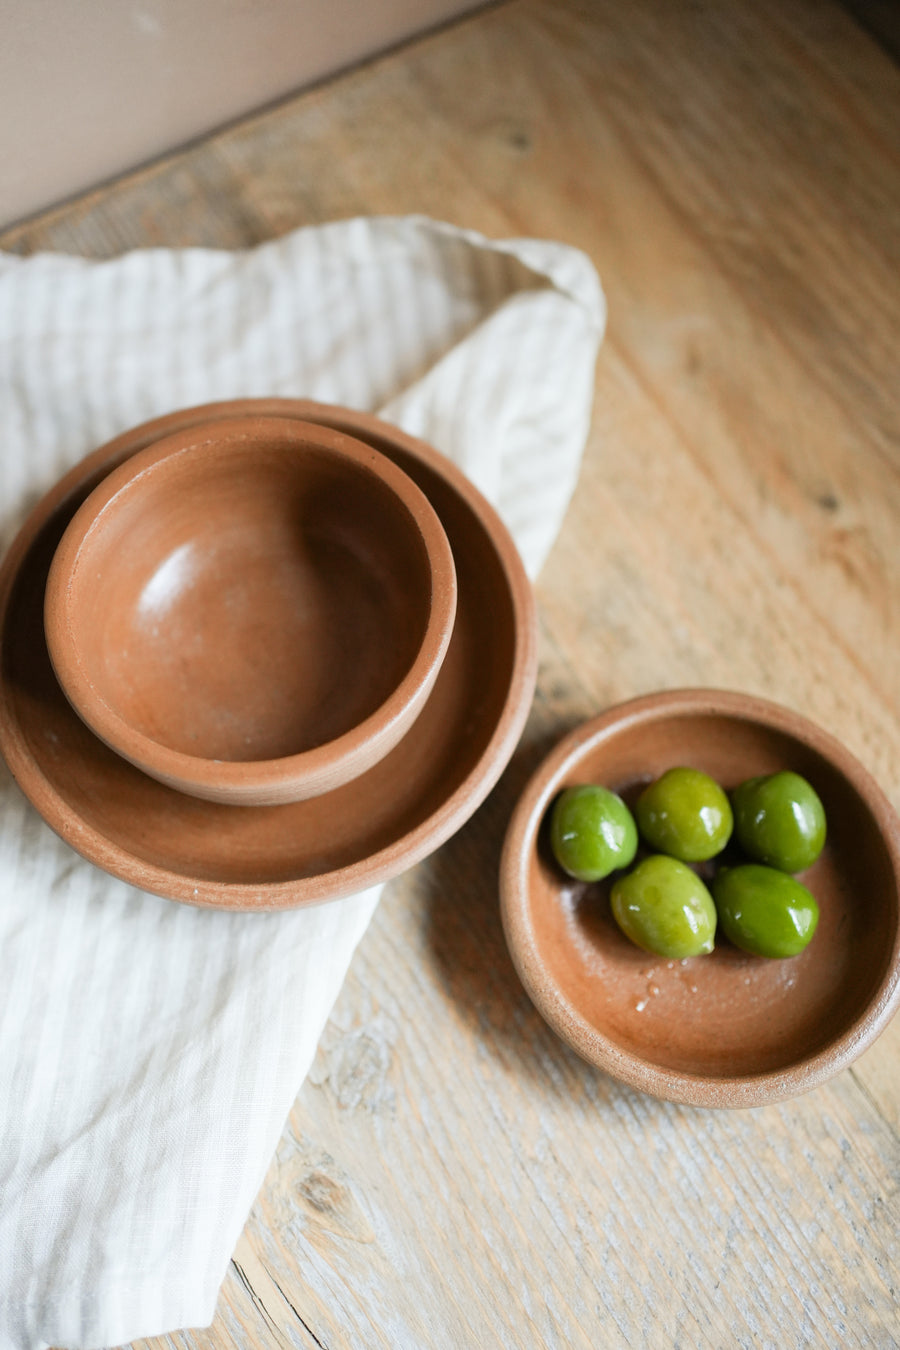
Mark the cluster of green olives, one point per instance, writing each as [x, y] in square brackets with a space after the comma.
[685, 817]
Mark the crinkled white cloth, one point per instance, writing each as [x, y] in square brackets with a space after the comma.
[149, 1052]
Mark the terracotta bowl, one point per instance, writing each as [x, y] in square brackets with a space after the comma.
[252, 612]
[256, 858]
[727, 1030]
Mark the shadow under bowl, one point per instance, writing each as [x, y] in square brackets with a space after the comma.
[254, 611]
[728, 1029]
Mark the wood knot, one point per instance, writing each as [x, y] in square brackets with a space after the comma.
[322, 1192]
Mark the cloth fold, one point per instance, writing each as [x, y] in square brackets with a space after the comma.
[150, 1052]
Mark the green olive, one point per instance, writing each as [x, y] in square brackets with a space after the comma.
[686, 814]
[592, 832]
[780, 820]
[764, 911]
[664, 907]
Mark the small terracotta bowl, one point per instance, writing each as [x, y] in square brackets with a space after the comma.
[253, 610]
[728, 1029]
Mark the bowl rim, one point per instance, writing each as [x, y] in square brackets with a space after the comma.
[286, 778]
[565, 1018]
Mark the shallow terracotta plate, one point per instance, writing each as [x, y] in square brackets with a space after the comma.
[275, 857]
[726, 1029]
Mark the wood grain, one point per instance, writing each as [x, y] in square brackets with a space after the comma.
[451, 1175]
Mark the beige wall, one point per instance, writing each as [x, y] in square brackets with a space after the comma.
[90, 88]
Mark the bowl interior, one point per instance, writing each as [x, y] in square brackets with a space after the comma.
[728, 1015]
[248, 599]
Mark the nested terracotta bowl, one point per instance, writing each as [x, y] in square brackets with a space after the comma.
[728, 1029]
[252, 611]
[258, 858]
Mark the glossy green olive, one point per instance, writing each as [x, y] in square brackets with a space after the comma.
[779, 820]
[664, 907]
[592, 832]
[764, 911]
[685, 814]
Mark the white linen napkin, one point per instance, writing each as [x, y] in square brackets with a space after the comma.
[150, 1052]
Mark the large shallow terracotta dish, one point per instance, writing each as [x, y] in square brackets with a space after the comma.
[253, 611]
[276, 857]
[727, 1029]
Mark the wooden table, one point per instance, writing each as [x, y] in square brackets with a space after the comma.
[451, 1175]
